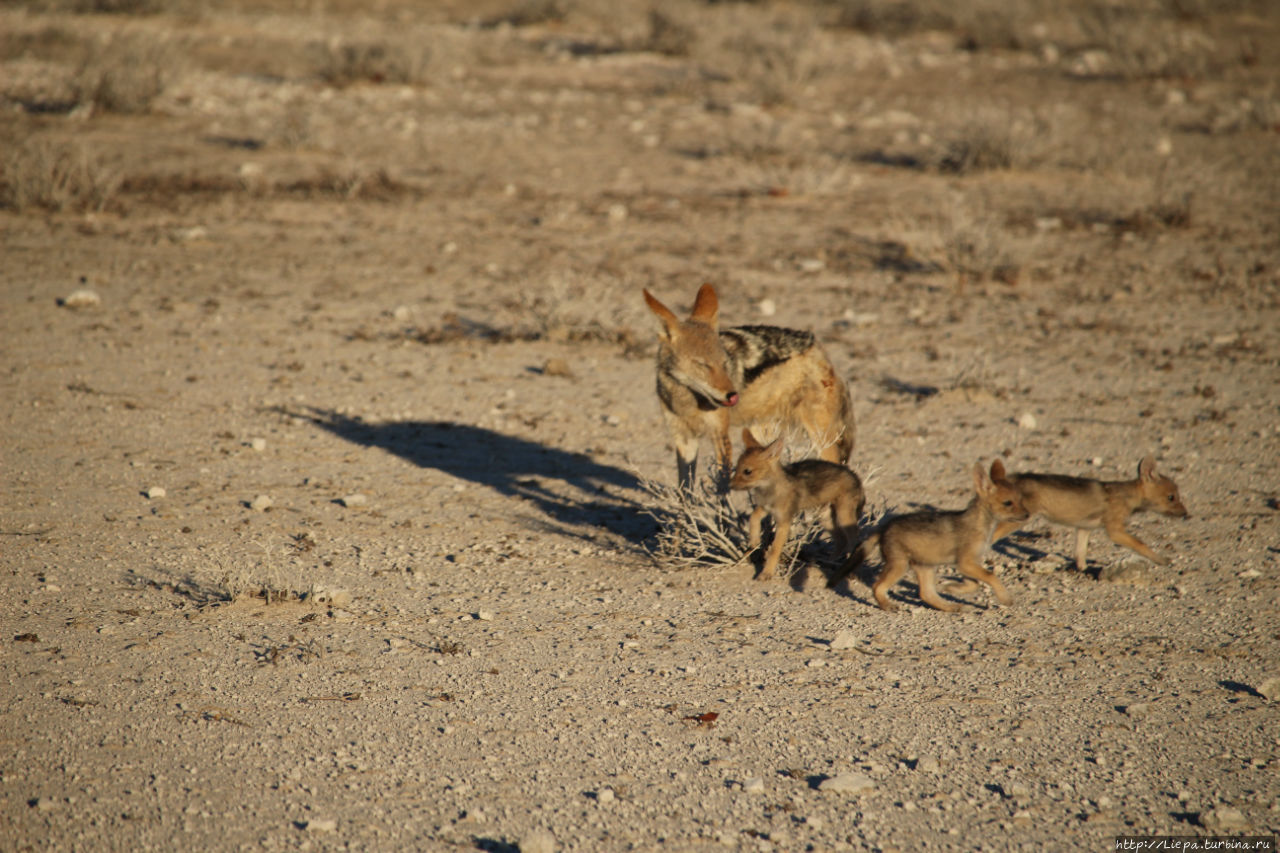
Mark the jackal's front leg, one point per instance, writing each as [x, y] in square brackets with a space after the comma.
[1082, 548]
[1120, 536]
[1004, 528]
[782, 529]
[753, 528]
[724, 451]
[686, 444]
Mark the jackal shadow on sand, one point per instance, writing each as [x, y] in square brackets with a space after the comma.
[571, 489]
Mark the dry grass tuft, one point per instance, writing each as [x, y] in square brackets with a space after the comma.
[992, 24]
[56, 177]
[704, 528]
[125, 74]
[1127, 44]
[696, 529]
[669, 34]
[340, 63]
[979, 248]
[526, 13]
[988, 140]
[774, 60]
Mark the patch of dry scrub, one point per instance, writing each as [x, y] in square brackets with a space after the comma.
[56, 177]
[126, 73]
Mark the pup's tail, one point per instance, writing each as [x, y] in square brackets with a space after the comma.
[856, 558]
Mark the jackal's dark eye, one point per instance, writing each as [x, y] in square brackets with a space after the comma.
[1172, 498]
[746, 472]
[1008, 503]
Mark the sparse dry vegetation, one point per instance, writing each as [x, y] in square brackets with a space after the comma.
[380, 266]
[125, 73]
[705, 529]
[342, 63]
[44, 175]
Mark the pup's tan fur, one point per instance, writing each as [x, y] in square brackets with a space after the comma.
[783, 491]
[1087, 504]
[924, 540]
[710, 379]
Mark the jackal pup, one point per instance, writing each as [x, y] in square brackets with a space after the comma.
[783, 491]
[924, 540]
[709, 379]
[1088, 504]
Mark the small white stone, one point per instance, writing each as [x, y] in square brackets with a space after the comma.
[1027, 421]
[1249, 574]
[82, 298]
[335, 598]
[261, 503]
[844, 640]
[848, 783]
[485, 615]
[538, 841]
[605, 796]
[156, 492]
[767, 307]
[754, 785]
[1270, 689]
[928, 764]
[325, 825]
[258, 444]
[353, 500]
[1224, 819]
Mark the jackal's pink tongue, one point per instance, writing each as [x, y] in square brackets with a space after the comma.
[731, 400]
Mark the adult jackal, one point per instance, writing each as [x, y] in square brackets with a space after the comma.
[710, 379]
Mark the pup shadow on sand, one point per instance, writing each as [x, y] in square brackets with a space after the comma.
[513, 467]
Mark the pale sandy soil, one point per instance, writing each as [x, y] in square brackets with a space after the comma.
[345, 298]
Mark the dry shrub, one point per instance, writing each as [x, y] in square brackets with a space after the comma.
[696, 528]
[986, 141]
[103, 7]
[669, 34]
[56, 177]
[341, 63]
[125, 74]
[985, 24]
[1135, 43]
[895, 17]
[979, 248]
[813, 176]
[704, 528]
[569, 307]
[775, 56]
[525, 13]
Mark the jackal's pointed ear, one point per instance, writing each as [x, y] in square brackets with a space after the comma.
[774, 448]
[997, 470]
[749, 440]
[670, 322]
[981, 483]
[1147, 468]
[706, 306]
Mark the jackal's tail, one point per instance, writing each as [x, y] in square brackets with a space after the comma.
[857, 558]
[848, 430]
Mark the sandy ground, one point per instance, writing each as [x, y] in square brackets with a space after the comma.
[376, 347]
